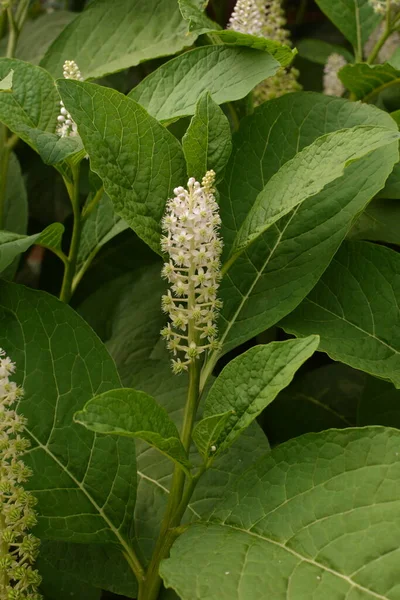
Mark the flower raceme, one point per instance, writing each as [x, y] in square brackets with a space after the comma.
[191, 225]
[66, 126]
[332, 84]
[381, 6]
[18, 549]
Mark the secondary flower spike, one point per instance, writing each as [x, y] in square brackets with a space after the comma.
[332, 84]
[248, 16]
[380, 6]
[18, 549]
[191, 225]
[66, 126]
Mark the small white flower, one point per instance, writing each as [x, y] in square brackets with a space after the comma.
[332, 84]
[191, 240]
[66, 126]
[380, 6]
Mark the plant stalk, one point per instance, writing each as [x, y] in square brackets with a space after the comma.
[178, 498]
[70, 267]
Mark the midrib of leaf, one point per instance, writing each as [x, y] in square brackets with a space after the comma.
[309, 561]
[165, 490]
[115, 531]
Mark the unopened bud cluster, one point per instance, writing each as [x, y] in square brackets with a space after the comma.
[66, 125]
[191, 240]
[381, 6]
[266, 18]
[18, 549]
[332, 84]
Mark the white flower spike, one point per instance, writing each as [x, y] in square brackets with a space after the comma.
[332, 84]
[18, 549]
[248, 16]
[191, 224]
[380, 6]
[66, 126]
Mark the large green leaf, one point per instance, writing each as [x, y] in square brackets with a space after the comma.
[127, 314]
[58, 585]
[280, 268]
[316, 518]
[356, 19]
[112, 36]
[139, 161]
[96, 565]
[307, 174]
[85, 484]
[13, 244]
[34, 103]
[207, 143]
[131, 413]
[227, 72]
[392, 187]
[379, 404]
[252, 381]
[366, 81]
[355, 310]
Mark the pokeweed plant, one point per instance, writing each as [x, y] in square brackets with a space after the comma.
[211, 405]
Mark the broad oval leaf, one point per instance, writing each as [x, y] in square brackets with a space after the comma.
[227, 72]
[282, 53]
[139, 161]
[355, 310]
[366, 81]
[317, 517]
[111, 36]
[356, 19]
[207, 143]
[379, 222]
[252, 381]
[133, 413]
[85, 484]
[281, 267]
[307, 174]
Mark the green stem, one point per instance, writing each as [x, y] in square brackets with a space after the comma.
[70, 267]
[13, 34]
[178, 499]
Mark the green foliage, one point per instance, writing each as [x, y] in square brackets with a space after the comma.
[207, 142]
[317, 515]
[228, 73]
[13, 244]
[366, 81]
[131, 413]
[356, 324]
[110, 37]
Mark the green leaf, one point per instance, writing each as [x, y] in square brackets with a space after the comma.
[354, 308]
[13, 244]
[15, 208]
[58, 585]
[6, 83]
[101, 226]
[356, 19]
[127, 314]
[52, 148]
[282, 53]
[228, 73]
[317, 517]
[139, 161]
[99, 565]
[366, 81]
[307, 174]
[252, 381]
[392, 187]
[379, 404]
[106, 38]
[193, 12]
[34, 102]
[316, 400]
[379, 222]
[281, 267]
[318, 51]
[61, 364]
[207, 143]
[132, 413]
[37, 35]
[207, 432]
